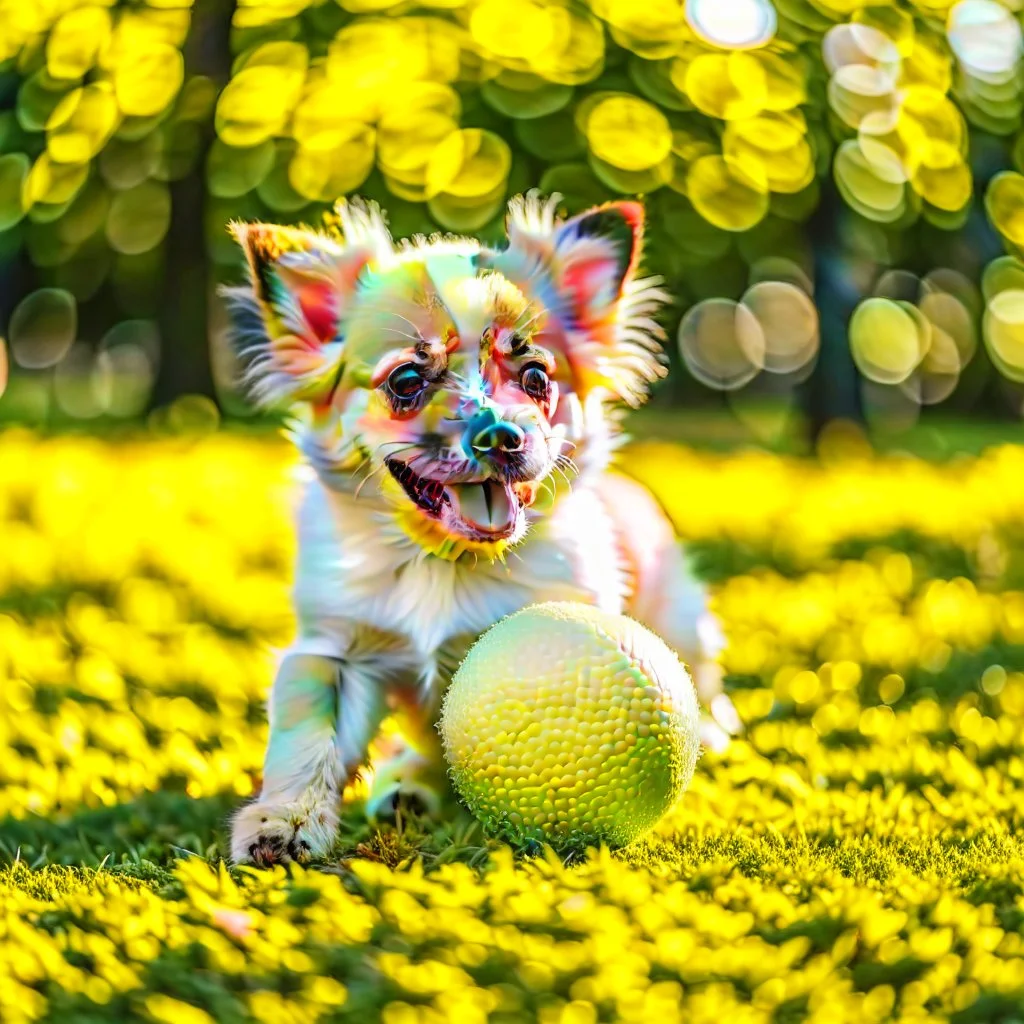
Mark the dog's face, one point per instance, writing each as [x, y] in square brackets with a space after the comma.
[448, 389]
[453, 375]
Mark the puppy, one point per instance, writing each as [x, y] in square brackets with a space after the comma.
[459, 416]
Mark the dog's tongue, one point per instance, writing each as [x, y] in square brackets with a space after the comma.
[487, 505]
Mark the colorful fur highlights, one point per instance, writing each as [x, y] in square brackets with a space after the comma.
[458, 421]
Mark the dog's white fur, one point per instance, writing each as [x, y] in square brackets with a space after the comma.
[383, 622]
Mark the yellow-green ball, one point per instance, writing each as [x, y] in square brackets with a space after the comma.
[568, 725]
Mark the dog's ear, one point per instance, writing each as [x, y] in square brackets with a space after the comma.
[595, 254]
[584, 272]
[287, 324]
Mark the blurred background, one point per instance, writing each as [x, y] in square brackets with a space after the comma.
[834, 190]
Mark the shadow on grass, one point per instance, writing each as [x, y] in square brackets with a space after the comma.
[147, 833]
[142, 838]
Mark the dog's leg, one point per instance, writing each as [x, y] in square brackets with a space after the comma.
[414, 771]
[310, 754]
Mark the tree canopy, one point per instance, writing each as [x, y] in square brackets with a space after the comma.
[800, 160]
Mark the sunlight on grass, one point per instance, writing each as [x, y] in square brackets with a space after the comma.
[857, 854]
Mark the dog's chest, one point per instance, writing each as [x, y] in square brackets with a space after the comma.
[357, 570]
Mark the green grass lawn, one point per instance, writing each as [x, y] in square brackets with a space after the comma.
[856, 855]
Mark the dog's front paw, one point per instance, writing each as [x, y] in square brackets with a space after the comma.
[267, 833]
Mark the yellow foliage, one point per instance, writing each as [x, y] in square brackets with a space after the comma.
[855, 854]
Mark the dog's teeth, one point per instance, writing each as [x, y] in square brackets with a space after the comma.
[488, 505]
[429, 495]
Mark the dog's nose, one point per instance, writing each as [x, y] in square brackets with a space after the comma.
[500, 437]
[489, 434]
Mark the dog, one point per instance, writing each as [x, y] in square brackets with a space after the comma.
[458, 413]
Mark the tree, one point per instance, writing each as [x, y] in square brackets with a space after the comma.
[184, 315]
[137, 132]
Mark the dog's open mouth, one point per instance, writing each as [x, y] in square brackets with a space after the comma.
[486, 510]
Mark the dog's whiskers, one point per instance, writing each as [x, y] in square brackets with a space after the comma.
[565, 478]
[563, 466]
[515, 554]
[402, 445]
[533, 319]
[399, 316]
[566, 461]
[369, 476]
[401, 334]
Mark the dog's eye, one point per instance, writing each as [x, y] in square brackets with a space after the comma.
[405, 382]
[534, 381]
[516, 344]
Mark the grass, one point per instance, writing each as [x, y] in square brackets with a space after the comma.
[857, 855]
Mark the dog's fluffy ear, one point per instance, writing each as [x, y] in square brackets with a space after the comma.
[288, 322]
[595, 254]
[584, 272]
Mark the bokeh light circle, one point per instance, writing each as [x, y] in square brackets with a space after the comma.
[943, 179]
[773, 147]
[882, 146]
[985, 36]
[1002, 274]
[125, 367]
[74, 383]
[124, 379]
[938, 374]
[147, 78]
[232, 171]
[724, 86]
[93, 119]
[1003, 328]
[77, 41]
[142, 334]
[857, 90]
[899, 285]
[726, 194]
[735, 25]
[512, 31]
[628, 132]
[885, 340]
[849, 43]
[789, 324]
[950, 317]
[470, 163]
[406, 139]
[14, 168]
[256, 103]
[1004, 202]
[42, 328]
[323, 174]
[946, 280]
[781, 268]
[722, 344]
[863, 186]
[139, 218]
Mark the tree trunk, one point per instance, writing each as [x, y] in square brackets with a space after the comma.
[833, 390]
[185, 365]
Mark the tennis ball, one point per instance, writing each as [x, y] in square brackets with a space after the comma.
[568, 725]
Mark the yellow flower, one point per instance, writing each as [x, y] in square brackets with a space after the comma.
[174, 1011]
